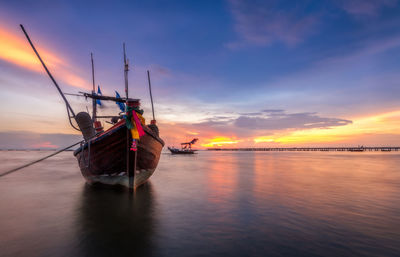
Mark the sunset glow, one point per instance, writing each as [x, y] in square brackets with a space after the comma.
[380, 124]
[16, 50]
[220, 141]
[245, 80]
[386, 123]
[46, 144]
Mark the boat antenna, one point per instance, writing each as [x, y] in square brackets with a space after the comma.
[94, 105]
[48, 72]
[126, 69]
[131, 155]
[151, 96]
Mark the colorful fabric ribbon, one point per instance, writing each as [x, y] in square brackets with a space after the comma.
[134, 122]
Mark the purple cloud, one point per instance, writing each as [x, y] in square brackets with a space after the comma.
[30, 140]
[366, 7]
[285, 121]
[264, 22]
[269, 121]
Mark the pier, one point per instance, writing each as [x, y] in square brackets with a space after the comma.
[322, 149]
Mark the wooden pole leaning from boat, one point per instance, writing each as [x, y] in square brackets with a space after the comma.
[94, 105]
[130, 154]
[48, 72]
[151, 98]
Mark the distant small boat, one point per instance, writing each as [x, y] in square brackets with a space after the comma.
[186, 148]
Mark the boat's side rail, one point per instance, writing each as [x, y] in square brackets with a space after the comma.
[114, 130]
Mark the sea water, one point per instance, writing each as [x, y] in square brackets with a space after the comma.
[207, 204]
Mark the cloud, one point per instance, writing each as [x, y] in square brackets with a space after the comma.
[16, 50]
[273, 111]
[283, 121]
[45, 144]
[266, 121]
[29, 140]
[365, 7]
[264, 22]
[220, 141]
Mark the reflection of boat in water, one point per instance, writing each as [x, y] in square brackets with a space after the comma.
[186, 148]
[113, 223]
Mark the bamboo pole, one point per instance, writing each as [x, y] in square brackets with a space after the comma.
[94, 105]
[151, 96]
[106, 98]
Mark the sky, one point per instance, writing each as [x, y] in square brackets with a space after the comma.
[232, 73]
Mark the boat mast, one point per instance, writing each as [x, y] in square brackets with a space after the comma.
[126, 69]
[94, 105]
[131, 155]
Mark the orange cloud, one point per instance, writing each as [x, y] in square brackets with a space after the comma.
[381, 124]
[15, 49]
[263, 139]
[192, 133]
[46, 144]
[376, 129]
[220, 141]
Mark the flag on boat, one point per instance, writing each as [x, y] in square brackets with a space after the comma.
[120, 105]
[98, 93]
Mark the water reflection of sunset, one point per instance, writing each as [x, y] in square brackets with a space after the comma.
[336, 183]
[222, 179]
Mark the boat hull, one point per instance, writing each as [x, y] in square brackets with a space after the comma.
[103, 158]
[178, 151]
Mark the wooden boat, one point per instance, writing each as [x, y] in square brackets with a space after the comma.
[125, 154]
[107, 157]
[103, 159]
[174, 150]
[186, 148]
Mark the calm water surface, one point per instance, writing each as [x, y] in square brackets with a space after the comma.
[210, 204]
